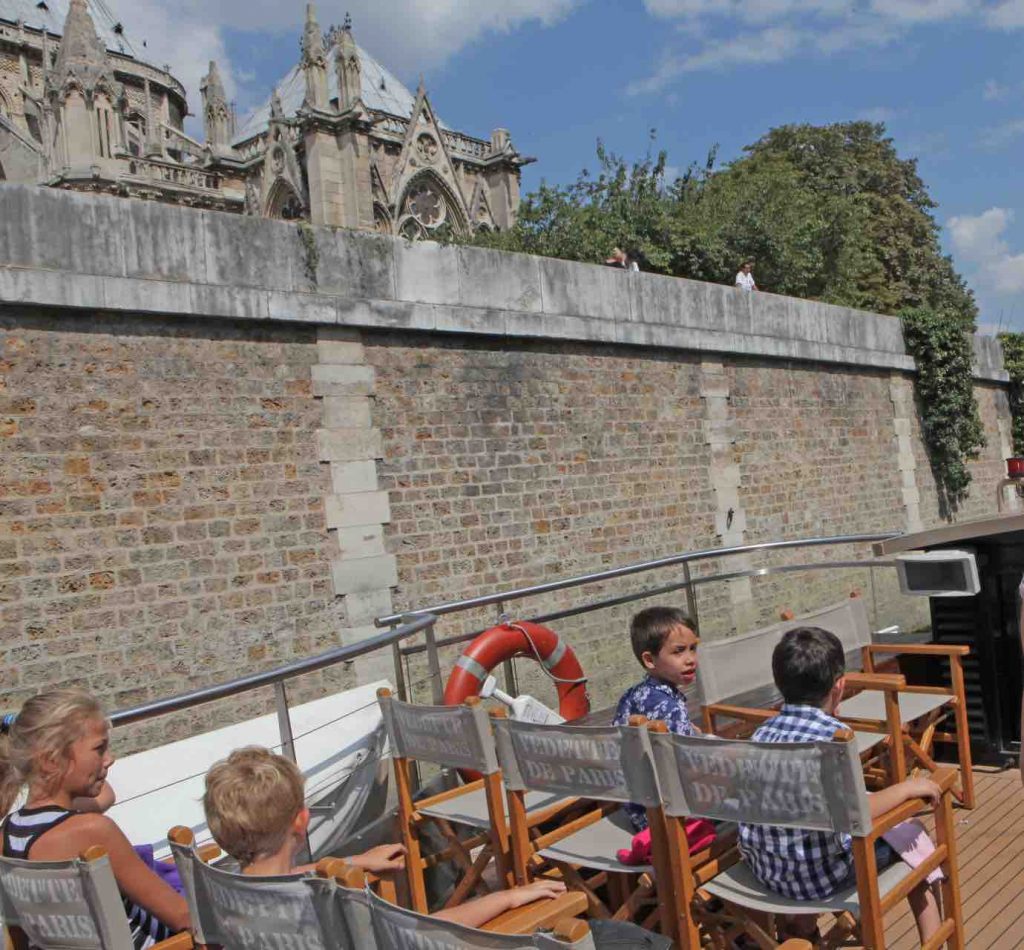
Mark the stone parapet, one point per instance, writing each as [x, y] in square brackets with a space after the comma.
[99, 253]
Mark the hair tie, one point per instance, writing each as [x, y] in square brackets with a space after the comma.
[6, 721]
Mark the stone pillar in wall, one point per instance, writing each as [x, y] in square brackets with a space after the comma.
[356, 510]
[901, 392]
[730, 518]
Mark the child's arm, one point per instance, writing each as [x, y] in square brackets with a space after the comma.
[893, 796]
[100, 803]
[477, 912]
[385, 857]
[135, 880]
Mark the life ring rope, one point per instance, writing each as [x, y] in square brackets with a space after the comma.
[548, 663]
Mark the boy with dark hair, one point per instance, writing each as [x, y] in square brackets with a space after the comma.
[665, 644]
[809, 668]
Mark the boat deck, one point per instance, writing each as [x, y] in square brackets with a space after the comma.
[991, 860]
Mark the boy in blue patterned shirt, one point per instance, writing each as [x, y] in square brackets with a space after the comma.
[664, 642]
[808, 665]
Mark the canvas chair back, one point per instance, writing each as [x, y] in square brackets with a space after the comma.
[64, 905]
[817, 786]
[398, 929]
[742, 666]
[240, 912]
[449, 736]
[606, 763]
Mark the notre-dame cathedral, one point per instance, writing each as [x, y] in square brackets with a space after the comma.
[340, 141]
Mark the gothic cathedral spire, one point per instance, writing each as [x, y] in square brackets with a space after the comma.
[314, 62]
[216, 111]
[349, 69]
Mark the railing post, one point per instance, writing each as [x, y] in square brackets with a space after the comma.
[691, 598]
[396, 652]
[434, 665]
[508, 668]
[284, 721]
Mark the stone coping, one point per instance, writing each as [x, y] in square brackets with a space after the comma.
[68, 249]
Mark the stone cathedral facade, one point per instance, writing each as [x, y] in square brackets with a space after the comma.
[339, 142]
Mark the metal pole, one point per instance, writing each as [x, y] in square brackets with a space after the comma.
[691, 598]
[434, 665]
[874, 597]
[284, 721]
[508, 668]
[396, 652]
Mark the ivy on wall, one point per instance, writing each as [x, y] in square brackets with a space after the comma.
[1013, 362]
[941, 344]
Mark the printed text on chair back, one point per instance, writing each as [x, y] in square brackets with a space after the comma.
[399, 929]
[610, 763]
[289, 912]
[64, 904]
[813, 785]
[449, 736]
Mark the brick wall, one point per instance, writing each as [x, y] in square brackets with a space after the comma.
[162, 519]
[161, 507]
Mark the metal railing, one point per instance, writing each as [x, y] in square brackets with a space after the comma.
[276, 678]
[688, 583]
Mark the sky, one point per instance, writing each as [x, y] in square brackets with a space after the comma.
[945, 76]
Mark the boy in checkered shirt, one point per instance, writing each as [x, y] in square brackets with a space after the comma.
[809, 666]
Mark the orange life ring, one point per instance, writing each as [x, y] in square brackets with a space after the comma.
[520, 638]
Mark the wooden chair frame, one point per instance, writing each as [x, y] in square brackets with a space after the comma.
[492, 841]
[18, 939]
[632, 893]
[558, 912]
[693, 910]
[919, 737]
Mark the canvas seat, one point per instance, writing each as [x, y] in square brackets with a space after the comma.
[607, 766]
[734, 683]
[595, 846]
[812, 786]
[913, 706]
[471, 808]
[68, 905]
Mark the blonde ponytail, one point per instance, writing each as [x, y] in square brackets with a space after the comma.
[46, 727]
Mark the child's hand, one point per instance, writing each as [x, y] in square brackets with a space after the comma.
[385, 857]
[536, 891]
[923, 788]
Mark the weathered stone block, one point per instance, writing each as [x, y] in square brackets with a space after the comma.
[494, 280]
[349, 263]
[366, 606]
[302, 308]
[164, 242]
[348, 444]
[342, 380]
[357, 509]
[426, 272]
[251, 252]
[146, 296]
[346, 412]
[586, 290]
[365, 574]
[358, 476]
[361, 541]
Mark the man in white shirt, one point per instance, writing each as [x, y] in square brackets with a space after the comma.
[745, 279]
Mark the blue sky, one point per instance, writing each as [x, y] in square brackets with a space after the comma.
[946, 76]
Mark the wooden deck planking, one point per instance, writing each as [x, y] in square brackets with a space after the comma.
[991, 858]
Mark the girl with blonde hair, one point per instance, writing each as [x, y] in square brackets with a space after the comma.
[58, 747]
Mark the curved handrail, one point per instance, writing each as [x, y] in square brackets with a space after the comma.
[688, 557]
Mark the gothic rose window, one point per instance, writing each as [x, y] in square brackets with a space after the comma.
[427, 206]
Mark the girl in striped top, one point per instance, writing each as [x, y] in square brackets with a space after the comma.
[59, 747]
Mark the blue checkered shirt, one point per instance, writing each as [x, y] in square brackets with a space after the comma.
[803, 865]
[655, 700]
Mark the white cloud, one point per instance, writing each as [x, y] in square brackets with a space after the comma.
[725, 33]
[999, 136]
[980, 241]
[994, 91]
[1007, 15]
[189, 33]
